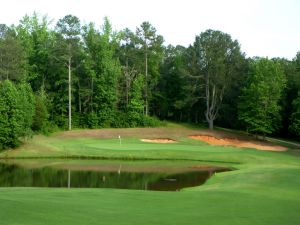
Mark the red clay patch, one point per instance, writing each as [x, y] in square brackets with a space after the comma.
[159, 140]
[238, 143]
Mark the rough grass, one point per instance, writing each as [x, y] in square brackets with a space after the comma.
[265, 188]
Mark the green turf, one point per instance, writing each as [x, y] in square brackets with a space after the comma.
[264, 189]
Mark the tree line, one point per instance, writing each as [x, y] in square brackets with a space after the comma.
[76, 75]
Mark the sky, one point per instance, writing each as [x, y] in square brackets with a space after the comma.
[266, 28]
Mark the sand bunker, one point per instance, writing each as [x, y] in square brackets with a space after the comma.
[159, 140]
[238, 143]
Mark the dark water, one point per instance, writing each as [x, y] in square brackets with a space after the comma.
[16, 176]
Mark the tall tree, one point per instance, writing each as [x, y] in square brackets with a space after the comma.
[36, 38]
[136, 103]
[105, 71]
[16, 112]
[293, 87]
[12, 57]
[9, 126]
[69, 27]
[129, 58]
[151, 46]
[219, 59]
[295, 117]
[259, 108]
[41, 114]
[26, 104]
[172, 98]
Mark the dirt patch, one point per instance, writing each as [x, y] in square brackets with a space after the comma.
[239, 143]
[159, 140]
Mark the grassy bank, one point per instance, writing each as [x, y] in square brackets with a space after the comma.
[265, 188]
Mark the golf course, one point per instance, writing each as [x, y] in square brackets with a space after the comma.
[149, 113]
[261, 186]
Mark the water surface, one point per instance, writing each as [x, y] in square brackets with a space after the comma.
[157, 176]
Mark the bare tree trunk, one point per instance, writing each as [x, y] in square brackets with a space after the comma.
[211, 124]
[70, 100]
[213, 102]
[207, 113]
[79, 97]
[127, 79]
[146, 80]
[127, 93]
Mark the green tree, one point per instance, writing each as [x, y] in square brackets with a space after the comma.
[41, 114]
[150, 45]
[172, 97]
[36, 38]
[136, 102]
[9, 120]
[295, 117]
[12, 57]
[293, 88]
[219, 60]
[26, 105]
[104, 71]
[69, 27]
[228, 113]
[259, 108]
[289, 94]
[129, 59]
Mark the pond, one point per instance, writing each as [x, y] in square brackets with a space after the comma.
[141, 175]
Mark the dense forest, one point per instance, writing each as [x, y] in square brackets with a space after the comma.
[72, 75]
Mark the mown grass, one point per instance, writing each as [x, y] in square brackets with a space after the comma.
[264, 189]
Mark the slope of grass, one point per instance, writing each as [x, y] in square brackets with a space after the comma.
[265, 188]
[232, 202]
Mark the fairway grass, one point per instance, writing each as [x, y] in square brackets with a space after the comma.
[263, 189]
